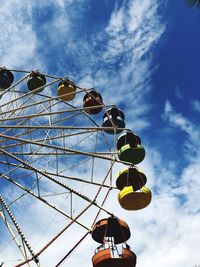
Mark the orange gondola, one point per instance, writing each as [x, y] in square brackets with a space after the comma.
[110, 232]
[111, 227]
[104, 257]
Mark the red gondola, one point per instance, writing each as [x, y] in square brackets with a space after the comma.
[93, 102]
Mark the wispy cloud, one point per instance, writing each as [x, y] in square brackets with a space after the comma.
[178, 93]
[196, 105]
[185, 125]
[189, 181]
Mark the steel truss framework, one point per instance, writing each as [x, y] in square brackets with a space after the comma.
[51, 152]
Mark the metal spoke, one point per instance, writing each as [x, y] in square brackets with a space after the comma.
[78, 152]
[18, 229]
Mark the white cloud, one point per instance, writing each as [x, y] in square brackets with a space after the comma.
[18, 39]
[185, 125]
[179, 93]
[196, 105]
[132, 32]
[20, 46]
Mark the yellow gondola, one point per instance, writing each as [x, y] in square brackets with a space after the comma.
[134, 200]
[131, 177]
[66, 90]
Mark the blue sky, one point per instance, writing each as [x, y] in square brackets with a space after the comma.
[143, 56]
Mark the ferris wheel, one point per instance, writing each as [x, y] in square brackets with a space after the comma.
[59, 144]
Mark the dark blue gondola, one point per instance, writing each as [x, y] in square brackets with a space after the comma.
[36, 80]
[114, 118]
[6, 78]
